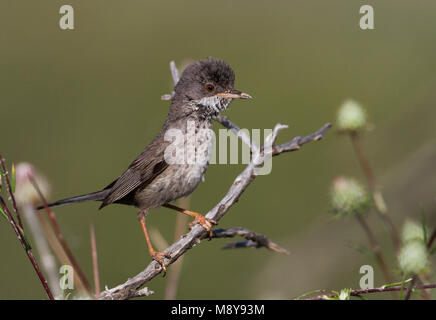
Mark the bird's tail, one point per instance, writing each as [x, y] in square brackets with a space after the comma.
[95, 196]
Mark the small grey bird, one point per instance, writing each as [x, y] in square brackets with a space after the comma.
[205, 88]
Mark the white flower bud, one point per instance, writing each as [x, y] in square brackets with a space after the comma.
[351, 116]
[25, 192]
[412, 231]
[349, 197]
[413, 257]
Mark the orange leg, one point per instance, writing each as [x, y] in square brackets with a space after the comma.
[157, 256]
[198, 218]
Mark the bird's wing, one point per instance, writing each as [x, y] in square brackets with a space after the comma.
[142, 171]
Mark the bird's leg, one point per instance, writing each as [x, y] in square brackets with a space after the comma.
[156, 255]
[198, 218]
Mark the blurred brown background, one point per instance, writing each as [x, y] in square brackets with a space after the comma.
[81, 104]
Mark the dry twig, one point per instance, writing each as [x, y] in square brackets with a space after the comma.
[254, 240]
[130, 288]
[360, 292]
[60, 237]
[26, 247]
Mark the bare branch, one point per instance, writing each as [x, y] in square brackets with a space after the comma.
[356, 293]
[10, 191]
[176, 270]
[129, 288]
[26, 247]
[48, 261]
[175, 76]
[238, 132]
[254, 240]
[174, 72]
[297, 142]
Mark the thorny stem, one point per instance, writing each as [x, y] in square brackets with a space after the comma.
[11, 194]
[26, 248]
[357, 293]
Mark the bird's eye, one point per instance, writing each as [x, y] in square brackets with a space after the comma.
[210, 87]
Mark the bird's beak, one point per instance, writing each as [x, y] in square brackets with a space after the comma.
[234, 94]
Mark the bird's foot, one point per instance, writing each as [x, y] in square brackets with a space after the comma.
[159, 257]
[204, 222]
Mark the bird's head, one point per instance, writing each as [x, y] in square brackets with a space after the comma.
[209, 84]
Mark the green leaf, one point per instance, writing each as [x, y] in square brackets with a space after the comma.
[396, 283]
[13, 179]
[304, 295]
[4, 213]
[334, 297]
[403, 283]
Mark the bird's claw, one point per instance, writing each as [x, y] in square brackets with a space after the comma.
[204, 222]
[159, 257]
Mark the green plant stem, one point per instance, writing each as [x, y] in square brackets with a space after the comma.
[360, 292]
[375, 246]
[377, 196]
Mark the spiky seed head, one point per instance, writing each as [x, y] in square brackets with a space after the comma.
[413, 258]
[351, 116]
[412, 231]
[349, 197]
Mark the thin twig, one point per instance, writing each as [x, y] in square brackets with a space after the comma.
[378, 197]
[175, 76]
[175, 272]
[241, 134]
[95, 261]
[431, 240]
[48, 261]
[61, 238]
[56, 246]
[375, 248]
[11, 194]
[360, 292]
[197, 233]
[255, 240]
[174, 73]
[26, 248]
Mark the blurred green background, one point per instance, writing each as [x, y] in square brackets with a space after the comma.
[81, 104]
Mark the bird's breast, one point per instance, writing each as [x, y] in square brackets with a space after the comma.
[182, 176]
